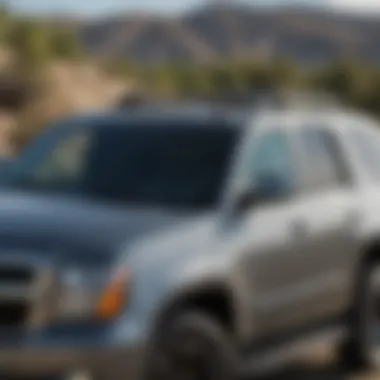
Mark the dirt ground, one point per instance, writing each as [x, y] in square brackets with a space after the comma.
[315, 365]
[321, 365]
[317, 372]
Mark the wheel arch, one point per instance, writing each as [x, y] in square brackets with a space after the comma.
[214, 298]
[370, 254]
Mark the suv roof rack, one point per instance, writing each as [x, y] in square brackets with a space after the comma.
[278, 99]
[132, 100]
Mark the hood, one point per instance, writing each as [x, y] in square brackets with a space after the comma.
[74, 226]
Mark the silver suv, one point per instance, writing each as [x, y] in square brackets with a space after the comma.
[190, 243]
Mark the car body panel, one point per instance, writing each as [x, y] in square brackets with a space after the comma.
[284, 265]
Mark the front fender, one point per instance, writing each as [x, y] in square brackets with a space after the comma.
[189, 295]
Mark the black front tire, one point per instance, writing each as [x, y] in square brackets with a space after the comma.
[192, 345]
[362, 351]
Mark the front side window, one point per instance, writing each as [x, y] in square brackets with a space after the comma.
[271, 166]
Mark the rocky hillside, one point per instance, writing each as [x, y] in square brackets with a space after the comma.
[64, 89]
[232, 31]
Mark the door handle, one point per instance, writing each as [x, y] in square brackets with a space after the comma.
[299, 228]
[352, 219]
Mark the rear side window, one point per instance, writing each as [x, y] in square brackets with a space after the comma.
[367, 146]
[323, 159]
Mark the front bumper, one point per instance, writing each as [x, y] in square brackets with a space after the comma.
[66, 349]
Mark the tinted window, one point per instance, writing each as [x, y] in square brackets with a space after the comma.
[323, 158]
[171, 166]
[66, 162]
[179, 166]
[55, 161]
[367, 146]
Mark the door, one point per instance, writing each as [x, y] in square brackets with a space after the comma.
[295, 244]
[328, 205]
[273, 240]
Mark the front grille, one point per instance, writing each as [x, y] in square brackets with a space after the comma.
[14, 275]
[13, 313]
[17, 280]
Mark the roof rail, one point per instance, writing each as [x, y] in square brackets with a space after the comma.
[285, 99]
[132, 100]
[277, 98]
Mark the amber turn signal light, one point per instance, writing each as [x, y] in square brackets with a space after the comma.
[113, 297]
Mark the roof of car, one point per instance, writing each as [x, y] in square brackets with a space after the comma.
[219, 114]
[189, 115]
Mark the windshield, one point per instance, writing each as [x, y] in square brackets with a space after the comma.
[168, 166]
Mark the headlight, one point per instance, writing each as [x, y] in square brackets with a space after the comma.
[90, 294]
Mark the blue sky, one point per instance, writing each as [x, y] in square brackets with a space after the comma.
[101, 6]
[94, 7]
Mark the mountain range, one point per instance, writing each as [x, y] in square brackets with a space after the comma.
[227, 31]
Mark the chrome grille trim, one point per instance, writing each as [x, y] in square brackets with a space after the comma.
[37, 292]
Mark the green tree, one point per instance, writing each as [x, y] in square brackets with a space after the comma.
[349, 80]
[65, 44]
[222, 80]
[187, 81]
[285, 73]
[31, 43]
[164, 81]
[5, 24]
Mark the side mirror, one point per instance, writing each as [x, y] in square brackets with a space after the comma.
[246, 200]
[269, 187]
